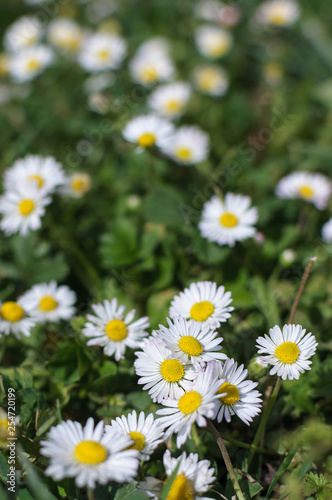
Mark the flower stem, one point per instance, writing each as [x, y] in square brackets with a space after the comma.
[91, 495]
[227, 461]
[301, 288]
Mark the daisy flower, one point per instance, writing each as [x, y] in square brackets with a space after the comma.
[145, 432]
[22, 209]
[76, 185]
[65, 34]
[213, 42]
[14, 318]
[162, 374]
[29, 63]
[229, 220]
[278, 13]
[89, 454]
[114, 331]
[227, 15]
[313, 188]
[287, 350]
[171, 99]
[147, 130]
[193, 406]
[45, 172]
[239, 398]
[211, 80]
[191, 342]
[24, 33]
[102, 51]
[204, 302]
[50, 302]
[327, 231]
[152, 63]
[187, 145]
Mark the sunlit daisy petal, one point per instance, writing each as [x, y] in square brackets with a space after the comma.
[211, 80]
[147, 130]
[24, 33]
[102, 51]
[311, 187]
[152, 63]
[76, 185]
[213, 42]
[327, 231]
[278, 13]
[65, 34]
[29, 63]
[15, 318]
[187, 145]
[171, 99]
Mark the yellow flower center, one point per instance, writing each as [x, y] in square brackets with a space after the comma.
[33, 65]
[11, 311]
[190, 345]
[47, 303]
[189, 402]
[172, 370]
[228, 220]
[173, 106]
[80, 184]
[306, 192]
[90, 453]
[116, 330]
[208, 79]
[139, 441]
[278, 18]
[4, 424]
[39, 180]
[181, 489]
[232, 393]
[183, 154]
[26, 207]
[103, 55]
[201, 310]
[146, 140]
[218, 46]
[149, 74]
[287, 352]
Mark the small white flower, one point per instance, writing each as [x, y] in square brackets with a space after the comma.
[145, 432]
[195, 405]
[147, 130]
[89, 455]
[227, 15]
[188, 145]
[76, 185]
[229, 220]
[29, 63]
[213, 42]
[65, 34]
[161, 372]
[170, 99]
[191, 342]
[278, 13]
[102, 51]
[152, 63]
[50, 302]
[45, 172]
[22, 209]
[287, 350]
[211, 80]
[24, 33]
[327, 231]
[310, 187]
[114, 331]
[14, 317]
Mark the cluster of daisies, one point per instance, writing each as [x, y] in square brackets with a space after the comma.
[29, 184]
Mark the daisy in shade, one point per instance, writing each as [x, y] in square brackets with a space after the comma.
[24, 33]
[65, 34]
[89, 455]
[145, 432]
[191, 342]
[14, 318]
[29, 63]
[76, 185]
[45, 172]
[22, 209]
[213, 42]
[171, 99]
[211, 80]
[114, 331]
[229, 220]
[278, 13]
[239, 398]
[327, 231]
[152, 63]
[313, 188]
[50, 302]
[147, 130]
[162, 374]
[193, 406]
[204, 302]
[187, 145]
[227, 15]
[287, 350]
[102, 51]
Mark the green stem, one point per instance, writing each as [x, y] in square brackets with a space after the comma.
[301, 288]
[91, 495]
[262, 451]
[227, 461]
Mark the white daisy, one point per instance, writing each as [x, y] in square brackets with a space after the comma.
[30, 62]
[239, 398]
[89, 454]
[204, 302]
[171, 99]
[287, 350]
[227, 15]
[278, 13]
[24, 33]
[213, 42]
[187, 145]
[162, 374]
[14, 317]
[327, 231]
[191, 341]
[102, 51]
[229, 220]
[211, 80]
[192, 406]
[147, 130]
[152, 63]
[145, 432]
[310, 187]
[65, 34]
[76, 185]
[50, 302]
[114, 331]
[22, 209]
[45, 172]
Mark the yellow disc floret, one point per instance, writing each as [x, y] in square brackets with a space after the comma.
[173, 106]
[38, 179]
[189, 402]
[232, 393]
[26, 207]
[181, 489]
[201, 310]
[116, 330]
[172, 370]
[183, 154]
[190, 345]
[11, 311]
[306, 192]
[90, 453]
[146, 140]
[287, 352]
[228, 220]
[47, 303]
[139, 440]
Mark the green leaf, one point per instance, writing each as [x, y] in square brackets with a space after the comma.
[130, 492]
[207, 252]
[139, 400]
[167, 488]
[283, 467]
[265, 301]
[4, 467]
[162, 206]
[119, 245]
[33, 480]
